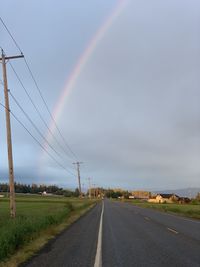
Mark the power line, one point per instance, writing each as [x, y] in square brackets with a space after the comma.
[4, 58]
[38, 89]
[36, 109]
[47, 108]
[16, 44]
[26, 129]
[33, 124]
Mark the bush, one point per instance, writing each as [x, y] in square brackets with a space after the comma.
[195, 202]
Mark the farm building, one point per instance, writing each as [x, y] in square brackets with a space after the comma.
[164, 198]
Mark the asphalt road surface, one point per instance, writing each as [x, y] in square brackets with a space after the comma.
[116, 234]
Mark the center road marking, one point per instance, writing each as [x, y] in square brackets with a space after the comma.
[172, 230]
[147, 218]
[98, 257]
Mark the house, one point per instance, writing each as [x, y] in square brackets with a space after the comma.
[164, 198]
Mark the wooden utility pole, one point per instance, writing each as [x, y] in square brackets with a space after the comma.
[8, 129]
[79, 177]
[82, 189]
[89, 181]
[94, 190]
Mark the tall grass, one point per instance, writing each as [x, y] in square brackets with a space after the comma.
[31, 219]
[189, 210]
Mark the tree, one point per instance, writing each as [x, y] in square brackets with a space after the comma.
[126, 194]
[68, 193]
[76, 193]
[198, 196]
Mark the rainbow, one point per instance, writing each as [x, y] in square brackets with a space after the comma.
[73, 77]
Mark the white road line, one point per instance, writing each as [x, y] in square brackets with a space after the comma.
[172, 230]
[98, 257]
[147, 218]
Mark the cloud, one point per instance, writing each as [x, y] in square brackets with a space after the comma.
[133, 115]
[134, 110]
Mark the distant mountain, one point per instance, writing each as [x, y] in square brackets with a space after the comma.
[185, 192]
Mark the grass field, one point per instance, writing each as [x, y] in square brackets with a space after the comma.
[188, 210]
[34, 214]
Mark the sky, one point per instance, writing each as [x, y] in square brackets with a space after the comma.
[131, 112]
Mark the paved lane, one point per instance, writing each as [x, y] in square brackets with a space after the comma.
[131, 236]
[134, 236]
[75, 247]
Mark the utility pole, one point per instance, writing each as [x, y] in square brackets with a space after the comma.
[94, 190]
[79, 177]
[89, 181]
[8, 129]
[83, 188]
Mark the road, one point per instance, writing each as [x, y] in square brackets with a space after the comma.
[131, 236]
[135, 236]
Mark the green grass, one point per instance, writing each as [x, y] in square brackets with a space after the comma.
[34, 214]
[188, 210]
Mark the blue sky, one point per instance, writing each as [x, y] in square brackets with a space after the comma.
[133, 115]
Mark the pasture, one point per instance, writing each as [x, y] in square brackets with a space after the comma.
[35, 213]
[188, 210]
